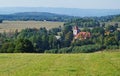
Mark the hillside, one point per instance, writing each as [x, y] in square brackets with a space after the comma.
[95, 64]
[116, 18]
[38, 16]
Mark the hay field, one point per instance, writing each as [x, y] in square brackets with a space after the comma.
[92, 64]
[13, 25]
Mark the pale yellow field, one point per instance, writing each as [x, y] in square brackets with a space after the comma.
[13, 25]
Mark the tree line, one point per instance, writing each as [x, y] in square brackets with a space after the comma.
[32, 40]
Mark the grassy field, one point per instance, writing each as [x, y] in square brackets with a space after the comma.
[92, 64]
[13, 25]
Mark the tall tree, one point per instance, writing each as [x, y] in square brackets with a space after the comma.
[24, 46]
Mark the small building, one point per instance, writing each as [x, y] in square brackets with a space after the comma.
[58, 37]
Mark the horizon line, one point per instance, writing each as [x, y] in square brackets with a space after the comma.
[59, 7]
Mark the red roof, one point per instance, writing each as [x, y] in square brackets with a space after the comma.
[83, 35]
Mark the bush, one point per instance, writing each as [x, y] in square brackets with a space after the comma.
[24, 46]
[83, 42]
[51, 51]
[7, 47]
[65, 50]
[112, 47]
[78, 49]
[87, 48]
[62, 50]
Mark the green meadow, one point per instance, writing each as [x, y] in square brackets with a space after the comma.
[91, 64]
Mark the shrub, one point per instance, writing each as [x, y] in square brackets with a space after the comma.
[112, 47]
[7, 47]
[87, 48]
[51, 51]
[65, 50]
[62, 50]
[24, 46]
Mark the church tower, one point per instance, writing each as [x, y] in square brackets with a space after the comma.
[75, 30]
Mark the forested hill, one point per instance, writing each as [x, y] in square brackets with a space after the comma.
[46, 16]
[41, 16]
[116, 18]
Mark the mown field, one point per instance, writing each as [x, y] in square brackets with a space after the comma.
[92, 64]
[13, 25]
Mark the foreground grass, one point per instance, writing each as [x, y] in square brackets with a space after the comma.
[93, 64]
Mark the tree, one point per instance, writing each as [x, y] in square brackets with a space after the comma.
[4, 48]
[45, 43]
[117, 35]
[86, 30]
[7, 47]
[111, 28]
[53, 42]
[39, 45]
[102, 25]
[110, 41]
[24, 46]
[66, 29]
[68, 39]
[116, 25]
[98, 30]
[1, 21]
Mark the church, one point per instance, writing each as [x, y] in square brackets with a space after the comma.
[80, 35]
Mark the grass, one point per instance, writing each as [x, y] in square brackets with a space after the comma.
[92, 64]
[8, 26]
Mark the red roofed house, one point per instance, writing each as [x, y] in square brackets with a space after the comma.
[80, 35]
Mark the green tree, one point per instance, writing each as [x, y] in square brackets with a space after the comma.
[24, 46]
[66, 29]
[110, 41]
[111, 28]
[1, 21]
[117, 35]
[68, 39]
[53, 42]
[45, 43]
[98, 30]
[7, 47]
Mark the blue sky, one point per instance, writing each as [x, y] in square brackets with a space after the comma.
[87, 4]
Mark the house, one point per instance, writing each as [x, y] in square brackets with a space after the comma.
[58, 37]
[80, 35]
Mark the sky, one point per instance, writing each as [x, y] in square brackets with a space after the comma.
[83, 4]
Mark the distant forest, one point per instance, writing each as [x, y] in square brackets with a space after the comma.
[36, 16]
[45, 16]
